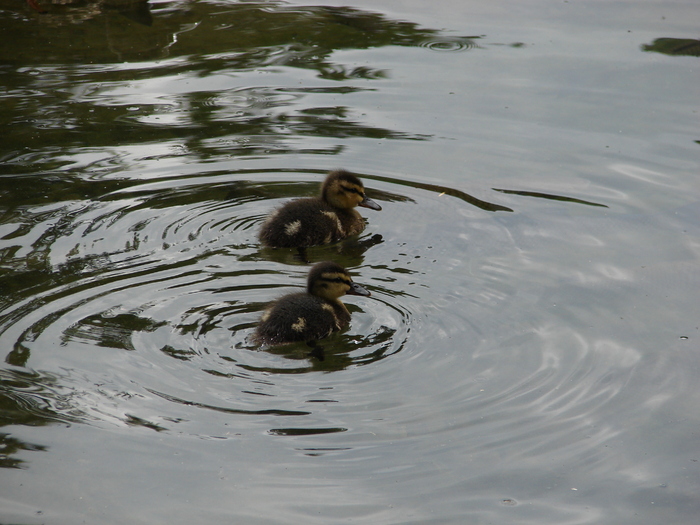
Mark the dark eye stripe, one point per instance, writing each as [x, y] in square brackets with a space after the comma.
[336, 280]
[353, 190]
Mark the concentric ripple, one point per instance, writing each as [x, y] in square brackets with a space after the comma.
[136, 308]
[164, 279]
[443, 43]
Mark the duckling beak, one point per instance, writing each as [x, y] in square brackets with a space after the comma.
[369, 203]
[356, 289]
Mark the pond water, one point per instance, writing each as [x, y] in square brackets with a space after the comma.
[529, 353]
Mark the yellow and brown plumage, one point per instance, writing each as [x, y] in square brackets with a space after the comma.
[324, 219]
[310, 315]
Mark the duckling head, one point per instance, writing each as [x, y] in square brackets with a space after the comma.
[331, 281]
[342, 189]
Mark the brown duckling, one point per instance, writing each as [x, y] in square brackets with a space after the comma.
[324, 219]
[311, 315]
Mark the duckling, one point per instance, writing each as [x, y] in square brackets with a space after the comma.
[324, 219]
[311, 315]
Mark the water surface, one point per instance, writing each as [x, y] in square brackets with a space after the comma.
[529, 353]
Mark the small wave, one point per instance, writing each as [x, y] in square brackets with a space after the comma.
[442, 44]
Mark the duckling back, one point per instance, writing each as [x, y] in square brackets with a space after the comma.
[309, 222]
[300, 317]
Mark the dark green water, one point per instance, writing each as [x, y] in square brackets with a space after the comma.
[529, 353]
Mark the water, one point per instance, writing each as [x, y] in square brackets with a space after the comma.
[529, 353]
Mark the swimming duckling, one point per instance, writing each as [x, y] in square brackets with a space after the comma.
[311, 315]
[319, 220]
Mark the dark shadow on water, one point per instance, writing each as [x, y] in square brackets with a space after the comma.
[59, 11]
[197, 40]
[445, 190]
[251, 34]
[11, 446]
[138, 11]
[109, 331]
[33, 399]
[549, 196]
[332, 354]
[30, 399]
[674, 46]
[348, 253]
[304, 431]
[229, 410]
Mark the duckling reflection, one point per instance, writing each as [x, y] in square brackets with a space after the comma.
[327, 218]
[311, 315]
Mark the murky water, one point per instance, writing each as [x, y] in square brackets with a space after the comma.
[529, 353]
